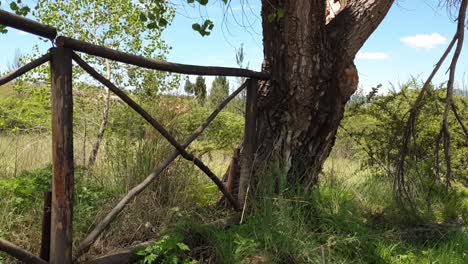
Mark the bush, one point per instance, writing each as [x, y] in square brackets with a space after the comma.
[377, 123]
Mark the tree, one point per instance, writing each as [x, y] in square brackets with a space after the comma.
[219, 90]
[312, 77]
[198, 88]
[114, 24]
[309, 52]
[188, 87]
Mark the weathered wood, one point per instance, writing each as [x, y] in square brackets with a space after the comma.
[11, 20]
[24, 69]
[19, 253]
[124, 256]
[250, 136]
[45, 238]
[89, 240]
[120, 56]
[62, 157]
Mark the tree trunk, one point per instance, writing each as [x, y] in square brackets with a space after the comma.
[103, 126]
[313, 76]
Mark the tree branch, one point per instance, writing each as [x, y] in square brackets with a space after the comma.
[355, 23]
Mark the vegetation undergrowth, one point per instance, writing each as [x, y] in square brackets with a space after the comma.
[332, 224]
[351, 216]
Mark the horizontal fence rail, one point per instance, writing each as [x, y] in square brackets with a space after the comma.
[24, 24]
[160, 65]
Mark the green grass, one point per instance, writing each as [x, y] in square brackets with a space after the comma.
[349, 218]
[6, 90]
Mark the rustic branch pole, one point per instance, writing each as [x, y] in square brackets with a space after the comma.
[89, 240]
[45, 239]
[24, 24]
[123, 256]
[19, 253]
[120, 56]
[158, 127]
[250, 136]
[24, 69]
[62, 157]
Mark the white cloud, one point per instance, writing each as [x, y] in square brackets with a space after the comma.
[372, 56]
[425, 41]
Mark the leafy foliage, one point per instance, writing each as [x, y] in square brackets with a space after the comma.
[198, 88]
[376, 122]
[167, 250]
[27, 109]
[224, 133]
[219, 90]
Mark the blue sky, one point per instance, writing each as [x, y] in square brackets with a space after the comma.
[408, 42]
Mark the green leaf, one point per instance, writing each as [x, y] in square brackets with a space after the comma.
[196, 27]
[280, 13]
[143, 17]
[271, 17]
[163, 22]
[152, 25]
[183, 247]
[13, 6]
[202, 2]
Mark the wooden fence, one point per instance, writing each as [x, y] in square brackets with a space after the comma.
[57, 239]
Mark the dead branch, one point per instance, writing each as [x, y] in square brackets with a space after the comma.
[460, 35]
[399, 180]
[455, 112]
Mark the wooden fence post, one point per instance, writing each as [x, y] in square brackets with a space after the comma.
[62, 157]
[250, 136]
[45, 239]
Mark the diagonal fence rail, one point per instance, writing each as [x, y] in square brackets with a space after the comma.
[60, 58]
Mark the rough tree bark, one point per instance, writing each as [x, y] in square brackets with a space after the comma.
[313, 76]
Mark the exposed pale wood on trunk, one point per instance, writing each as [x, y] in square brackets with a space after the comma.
[24, 24]
[155, 64]
[62, 157]
[89, 240]
[19, 253]
[24, 69]
[351, 28]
